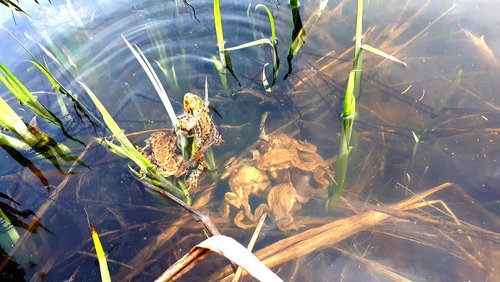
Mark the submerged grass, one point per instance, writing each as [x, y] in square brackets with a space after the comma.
[8, 233]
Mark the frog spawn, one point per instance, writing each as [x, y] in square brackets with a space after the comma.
[273, 171]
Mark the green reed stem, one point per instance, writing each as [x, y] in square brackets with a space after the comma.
[220, 44]
[349, 113]
[350, 109]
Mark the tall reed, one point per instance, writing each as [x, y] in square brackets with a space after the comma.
[349, 112]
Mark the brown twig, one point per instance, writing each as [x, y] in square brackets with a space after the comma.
[199, 215]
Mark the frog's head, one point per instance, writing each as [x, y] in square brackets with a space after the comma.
[192, 103]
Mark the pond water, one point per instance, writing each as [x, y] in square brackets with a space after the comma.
[432, 123]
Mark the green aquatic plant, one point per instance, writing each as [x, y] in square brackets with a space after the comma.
[224, 61]
[8, 233]
[34, 139]
[13, 142]
[24, 96]
[101, 255]
[220, 70]
[14, 7]
[143, 61]
[349, 112]
[58, 87]
[27, 99]
[300, 31]
[219, 34]
[272, 41]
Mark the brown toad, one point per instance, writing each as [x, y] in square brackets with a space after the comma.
[161, 151]
[282, 202]
[280, 164]
[197, 123]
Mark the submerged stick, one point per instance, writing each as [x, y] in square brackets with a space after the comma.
[199, 215]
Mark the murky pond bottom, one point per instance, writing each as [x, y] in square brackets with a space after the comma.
[421, 198]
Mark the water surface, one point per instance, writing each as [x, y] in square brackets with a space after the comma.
[457, 139]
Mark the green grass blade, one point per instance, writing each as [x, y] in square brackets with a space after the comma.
[222, 74]
[155, 37]
[359, 28]
[13, 142]
[11, 121]
[300, 39]
[113, 126]
[218, 31]
[8, 233]
[53, 82]
[382, 54]
[80, 108]
[37, 140]
[274, 42]
[101, 255]
[155, 81]
[336, 188]
[46, 72]
[350, 98]
[257, 43]
[26, 98]
[250, 44]
[24, 95]
[271, 22]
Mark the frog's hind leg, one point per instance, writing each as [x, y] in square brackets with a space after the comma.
[193, 177]
[238, 221]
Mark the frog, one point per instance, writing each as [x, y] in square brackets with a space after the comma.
[273, 171]
[246, 181]
[197, 122]
[281, 169]
[281, 152]
[161, 148]
[283, 201]
[161, 151]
